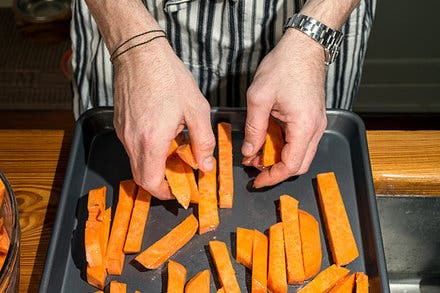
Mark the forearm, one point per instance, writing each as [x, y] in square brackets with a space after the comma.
[333, 13]
[119, 20]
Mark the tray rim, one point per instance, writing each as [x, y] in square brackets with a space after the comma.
[56, 230]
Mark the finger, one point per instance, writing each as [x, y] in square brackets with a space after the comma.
[257, 120]
[148, 161]
[202, 138]
[311, 149]
[292, 157]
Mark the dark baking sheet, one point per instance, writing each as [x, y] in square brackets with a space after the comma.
[97, 158]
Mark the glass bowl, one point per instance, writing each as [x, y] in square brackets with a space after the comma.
[9, 273]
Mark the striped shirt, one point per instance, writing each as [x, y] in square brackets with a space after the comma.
[222, 43]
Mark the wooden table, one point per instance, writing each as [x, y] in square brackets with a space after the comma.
[403, 162]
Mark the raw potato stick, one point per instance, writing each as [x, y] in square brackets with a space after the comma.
[92, 242]
[292, 239]
[175, 143]
[176, 277]
[259, 263]
[225, 168]
[345, 285]
[342, 242]
[158, 253]
[244, 243]
[138, 221]
[96, 276]
[4, 244]
[115, 254]
[195, 194]
[177, 177]
[310, 244]
[208, 211]
[277, 280]
[361, 283]
[185, 153]
[325, 280]
[199, 283]
[116, 287]
[225, 270]
[2, 191]
[273, 145]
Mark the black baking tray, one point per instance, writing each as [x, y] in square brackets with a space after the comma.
[97, 158]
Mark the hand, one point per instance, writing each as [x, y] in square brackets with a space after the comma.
[289, 85]
[155, 97]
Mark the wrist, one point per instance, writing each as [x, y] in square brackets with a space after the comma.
[304, 44]
[332, 13]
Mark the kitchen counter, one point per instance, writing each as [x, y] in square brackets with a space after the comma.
[34, 161]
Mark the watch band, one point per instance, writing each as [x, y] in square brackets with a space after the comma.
[330, 39]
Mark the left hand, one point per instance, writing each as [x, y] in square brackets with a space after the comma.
[289, 85]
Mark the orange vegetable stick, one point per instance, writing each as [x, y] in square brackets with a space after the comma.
[199, 283]
[195, 194]
[244, 243]
[345, 285]
[292, 239]
[96, 276]
[4, 244]
[177, 177]
[259, 262]
[92, 243]
[208, 211]
[310, 244]
[225, 270]
[176, 277]
[138, 221]
[158, 253]
[185, 153]
[225, 169]
[99, 291]
[361, 283]
[342, 242]
[115, 254]
[116, 287]
[179, 140]
[221, 290]
[325, 280]
[273, 145]
[277, 280]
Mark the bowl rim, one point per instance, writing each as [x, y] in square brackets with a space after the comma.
[63, 14]
[13, 250]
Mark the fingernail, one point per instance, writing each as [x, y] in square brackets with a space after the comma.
[247, 149]
[208, 164]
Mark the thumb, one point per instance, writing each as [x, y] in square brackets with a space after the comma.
[202, 137]
[257, 120]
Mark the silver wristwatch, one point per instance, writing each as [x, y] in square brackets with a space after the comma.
[330, 39]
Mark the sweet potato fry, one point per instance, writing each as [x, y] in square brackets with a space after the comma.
[225, 270]
[199, 283]
[92, 242]
[4, 243]
[176, 277]
[185, 153]
[273, 145]
[221, 290]
[180, 139]
[342, 242]
[259, 263]
[2, 191]
[96, 276]
[115, 254]
[244, 243]
[310, 244]
[225, 166]
[345, 285]
[208, 211]
[138, 221]
[361, 283]
[292, 239]
[325, 280]
[277, 279]
[116, 287]
[177, 177]
[155, 255]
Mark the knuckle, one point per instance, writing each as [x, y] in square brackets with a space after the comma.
[207, 144]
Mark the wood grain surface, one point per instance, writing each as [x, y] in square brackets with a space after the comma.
[403, 162]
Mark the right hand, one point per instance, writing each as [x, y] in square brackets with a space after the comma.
[155, 96]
